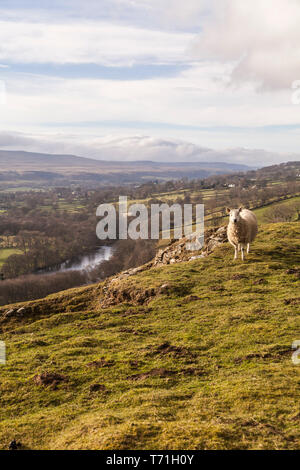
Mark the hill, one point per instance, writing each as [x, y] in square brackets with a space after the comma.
[192, 355]
[36, 170]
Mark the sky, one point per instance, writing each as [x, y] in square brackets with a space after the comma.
[162, 80]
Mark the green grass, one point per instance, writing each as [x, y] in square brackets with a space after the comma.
[230, 381]
[14, 189]
[6, 253]
[261, 212]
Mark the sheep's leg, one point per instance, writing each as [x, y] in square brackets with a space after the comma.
[243, 251]
[235, 249]
[239, 247]
[248, 247]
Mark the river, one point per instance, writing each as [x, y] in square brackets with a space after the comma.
[83, 262]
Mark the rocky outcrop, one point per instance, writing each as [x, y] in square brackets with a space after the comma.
[176, 252]
[115, 292]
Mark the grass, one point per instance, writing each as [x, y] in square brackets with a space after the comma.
[225, 381]
[261, 212]
[6, 253]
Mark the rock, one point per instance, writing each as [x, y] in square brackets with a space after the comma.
[8, 313]
[164, 288]
[212, 245]
[222, 231]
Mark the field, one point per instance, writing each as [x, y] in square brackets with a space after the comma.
[206, 363]
[260, 213]
[6, 252]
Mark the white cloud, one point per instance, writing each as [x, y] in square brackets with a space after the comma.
[137, 148]
[173, 13]
[151, 14]
[89, 42]
[261, 37]
[198, 97]
[240, 43]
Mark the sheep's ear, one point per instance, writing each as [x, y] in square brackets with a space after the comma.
[240, 209]
[228, 210]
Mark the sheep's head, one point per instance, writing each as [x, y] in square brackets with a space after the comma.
[234, 214]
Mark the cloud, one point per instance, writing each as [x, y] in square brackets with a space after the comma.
[86, 42]
[137, 148]
[196, 97]
[180, 58]
[260, 38]
[173, 14]
[151, 14]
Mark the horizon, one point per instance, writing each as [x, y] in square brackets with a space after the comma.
[128, 161]
[122, 80]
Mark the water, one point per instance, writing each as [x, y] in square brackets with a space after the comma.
[86, 262]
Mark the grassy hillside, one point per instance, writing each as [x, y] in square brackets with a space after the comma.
[260, 213]
[197, 357]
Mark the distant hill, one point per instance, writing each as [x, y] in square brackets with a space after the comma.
[37, 168]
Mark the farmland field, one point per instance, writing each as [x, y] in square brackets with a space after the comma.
[6, 252]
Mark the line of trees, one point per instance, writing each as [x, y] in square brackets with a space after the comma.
[127, 254]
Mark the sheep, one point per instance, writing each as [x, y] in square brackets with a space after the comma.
[241, 230]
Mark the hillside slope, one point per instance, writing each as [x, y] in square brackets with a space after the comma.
[194, 355]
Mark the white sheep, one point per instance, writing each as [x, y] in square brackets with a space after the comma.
[241, 230]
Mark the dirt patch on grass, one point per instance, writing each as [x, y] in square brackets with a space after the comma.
[192, 298]
[216, 288]
[193, 371]
[168, 349]
[275, 354]
[134, 311]
[101, 363]
[259, 282]
[295, 301]
[126, 294]
[135, 364]
[238, 277]
[294, 271]
[130, 331]
[49, 379]
[97, 388]
[117, 293]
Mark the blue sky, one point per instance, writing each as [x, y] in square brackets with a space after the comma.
[133, 79]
